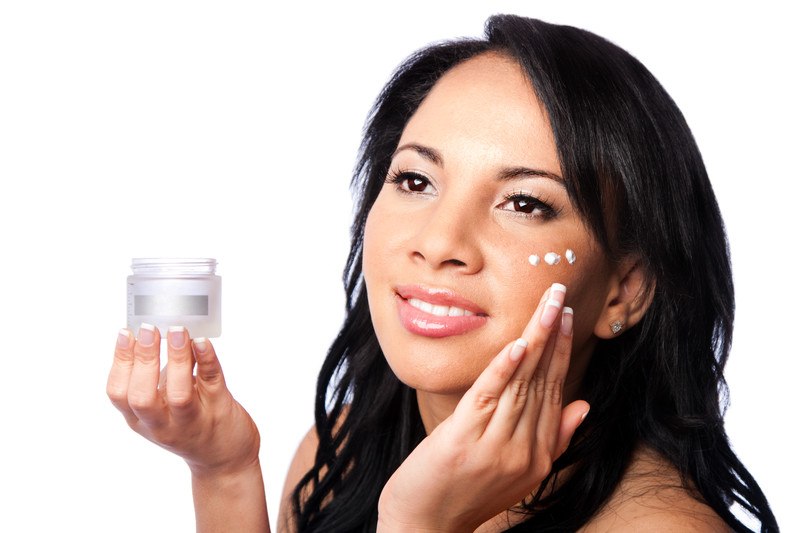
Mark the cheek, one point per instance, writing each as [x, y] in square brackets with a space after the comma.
[586, 278]
[376, 237]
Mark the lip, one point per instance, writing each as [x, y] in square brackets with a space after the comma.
[419, 322]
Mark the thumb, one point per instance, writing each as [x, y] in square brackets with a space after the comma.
[209, 371]
[571, 417]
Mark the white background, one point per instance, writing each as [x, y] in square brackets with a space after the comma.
[229, 130]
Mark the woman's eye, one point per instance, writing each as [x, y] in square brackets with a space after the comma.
[528, 205]
[411, 182]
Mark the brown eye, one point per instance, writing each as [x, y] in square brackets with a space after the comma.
[523, 205]
[528, 206]
[411, 183]
[416, 184]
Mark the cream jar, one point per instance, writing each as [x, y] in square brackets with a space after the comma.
[176, 292]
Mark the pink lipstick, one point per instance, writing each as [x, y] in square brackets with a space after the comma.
[435, 312]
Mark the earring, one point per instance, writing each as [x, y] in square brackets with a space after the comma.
[616, 327]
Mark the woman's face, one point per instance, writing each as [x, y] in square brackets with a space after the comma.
[474, 189]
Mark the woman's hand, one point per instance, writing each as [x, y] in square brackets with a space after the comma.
[501, 440]
[195, 417]
[192, 416]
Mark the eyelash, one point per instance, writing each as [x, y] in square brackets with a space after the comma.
[398, 177]
[544, 207]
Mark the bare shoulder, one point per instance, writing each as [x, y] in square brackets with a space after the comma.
[301, 463]
[304, 459]
[651, 497]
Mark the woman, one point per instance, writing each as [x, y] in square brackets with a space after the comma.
[540, 171]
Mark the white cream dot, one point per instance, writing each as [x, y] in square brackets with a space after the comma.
[533, 259]
[570, 256]
[552, 258]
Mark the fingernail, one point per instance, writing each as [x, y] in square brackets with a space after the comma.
[200, 344]
[123, 339]
[551, 308]
[553, 304]
[176, 337]
[518, 349]
[584, 415]
[147, 335]
[566, 321]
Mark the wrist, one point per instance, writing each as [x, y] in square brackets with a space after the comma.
[389, 524]
[226, 476]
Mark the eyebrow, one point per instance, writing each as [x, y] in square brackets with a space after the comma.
[506, 174]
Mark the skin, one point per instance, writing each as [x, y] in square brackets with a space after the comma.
[481, 120]
[496, 416]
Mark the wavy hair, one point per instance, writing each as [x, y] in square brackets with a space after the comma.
[634, 172]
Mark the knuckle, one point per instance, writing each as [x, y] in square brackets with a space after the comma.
[123, 357]
[538, 381]
[519, 387]
[553, 391]
[180, 400]
[118, 396]
[180, 356]
[485, 402]
[140, 402]
[145, 355]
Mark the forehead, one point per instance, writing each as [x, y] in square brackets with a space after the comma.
[485, 109]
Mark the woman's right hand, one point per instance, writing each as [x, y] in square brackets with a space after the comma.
[190, 414]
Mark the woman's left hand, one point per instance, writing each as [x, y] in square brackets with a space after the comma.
[500, 442]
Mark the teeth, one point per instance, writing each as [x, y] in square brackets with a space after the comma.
[455, 311]
[438, 310]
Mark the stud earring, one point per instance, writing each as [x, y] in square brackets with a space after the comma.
[616, 327]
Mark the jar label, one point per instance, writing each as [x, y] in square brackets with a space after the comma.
[170, 305]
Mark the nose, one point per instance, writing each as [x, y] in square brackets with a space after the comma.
[448, 238]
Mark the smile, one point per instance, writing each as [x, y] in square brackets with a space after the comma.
[437, 313]
[438, 310]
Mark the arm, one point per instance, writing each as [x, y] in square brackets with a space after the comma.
[234, 502]
[194, 416]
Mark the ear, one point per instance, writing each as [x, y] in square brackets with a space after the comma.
[629, 297]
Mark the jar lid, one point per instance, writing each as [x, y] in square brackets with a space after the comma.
[173, 265]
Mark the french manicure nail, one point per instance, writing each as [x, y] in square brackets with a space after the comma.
[558, 287]
[176, 337]
[147, 335]
[123, 339]
[566, 321]
[583, 416]
[551, 309]
[518, 349]
[200, 344]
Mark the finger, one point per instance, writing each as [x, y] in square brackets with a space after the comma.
[572, 417]
[476, 407]
[180, 393]
[543, 417]
[143, 396]
[120, 375]
[539, 330]
[540, 342]
[210, 379]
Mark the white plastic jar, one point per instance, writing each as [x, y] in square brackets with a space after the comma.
[176, 292]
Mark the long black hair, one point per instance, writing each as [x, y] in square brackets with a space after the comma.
[633, 170]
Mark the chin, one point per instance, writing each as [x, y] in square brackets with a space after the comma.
[433, 372]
